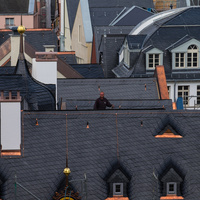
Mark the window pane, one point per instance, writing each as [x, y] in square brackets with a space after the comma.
[118, 188]
[171, 187]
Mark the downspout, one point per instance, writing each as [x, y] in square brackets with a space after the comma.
[62, 24]
[188, 3]
[174, 91]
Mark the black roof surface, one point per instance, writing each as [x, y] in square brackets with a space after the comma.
[39, 96]
[72, 9]
[13, 6]
[132, 17]
[89, 70]
[100, 31]
[104, 16]
[110, 139]
[115, 89]
[68, 58]
[38, 38]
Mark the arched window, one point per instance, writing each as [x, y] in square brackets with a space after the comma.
[192, 56]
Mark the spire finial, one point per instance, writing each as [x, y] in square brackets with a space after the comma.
[21, 29]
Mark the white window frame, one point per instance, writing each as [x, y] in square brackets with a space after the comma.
[186, 49]
[7, 19]
[180, 60]
[127, 56]
[183, 91]
[192, 51]
[175, 188]
[121, 189]
[153, 52]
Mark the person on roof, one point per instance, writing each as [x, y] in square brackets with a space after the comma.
[101, 103]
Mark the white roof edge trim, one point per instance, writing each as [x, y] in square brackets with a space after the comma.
[87, 25]
[31, 7]
[150, 20]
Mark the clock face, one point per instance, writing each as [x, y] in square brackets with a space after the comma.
[67, 198]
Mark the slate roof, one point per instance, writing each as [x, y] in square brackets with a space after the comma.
[132, 17]
[165, 33]
[7, 70]
[72, 9]
[37, 95]
[68, 58]
[104, 16]
[114, 89]
[100, 31]
[38, 38]
[94, 151]
[110, 46]
[135, 42]
[10, 6]
[89, 70]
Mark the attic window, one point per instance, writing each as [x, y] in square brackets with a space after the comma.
[154, 57]
[153, 60]
[192, 56]
[171, 185]
[118, 183]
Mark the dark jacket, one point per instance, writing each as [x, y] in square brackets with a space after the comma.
[100, 104]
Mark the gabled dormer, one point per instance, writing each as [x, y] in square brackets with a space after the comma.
[154, 57]
[118, 184]
[185, 53]
[171, 182]
[129, 52]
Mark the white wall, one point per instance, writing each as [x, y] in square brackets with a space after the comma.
[10, 125]
[192, 92]
[45, 72]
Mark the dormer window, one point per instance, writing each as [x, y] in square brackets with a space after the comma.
[154, 57]
[192, 56]
[171, 185]
[186, 55]
[117, 189]
[171, 188]
[117, 183]
[180, 60]
[154, 60]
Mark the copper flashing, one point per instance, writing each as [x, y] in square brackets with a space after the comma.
[66, 53]
[6, 62]
[38, 29]
[162, 82]
[168, 134]
[10, 152]
[10, 97]
[169, 197]
[118, 197]
[174, 106]
[46, 56]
